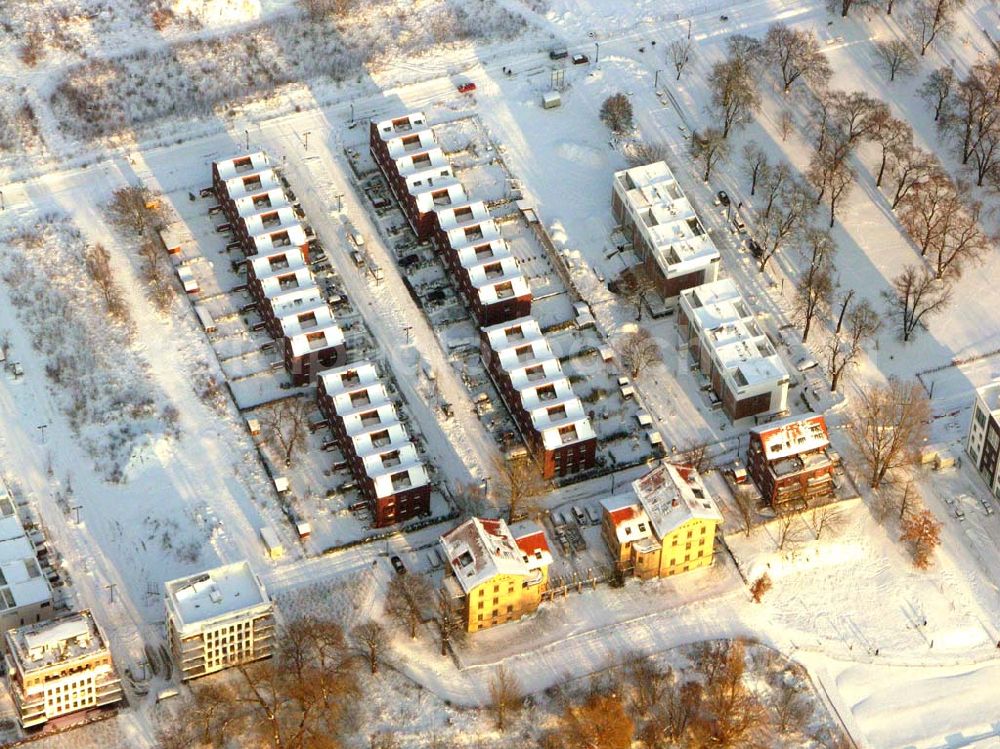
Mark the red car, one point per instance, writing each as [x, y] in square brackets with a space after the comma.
[466, 88]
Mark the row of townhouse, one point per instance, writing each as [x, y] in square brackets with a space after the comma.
[267, 227]
[746, 373]
[538, 394]
[382, 457]
[550, 417]
[438, 209]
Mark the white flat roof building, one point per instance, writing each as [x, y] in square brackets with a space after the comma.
[25, 593]
[270, 220]
[732, 343]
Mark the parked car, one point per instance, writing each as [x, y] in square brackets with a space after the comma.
[578, 515]
[358, 258]
[397, 564]
[723, 197]
[755, 249]
[593, 515]
[409, 260]
[558, 53]
[466, 88]
[806, 363]
[580, 59]
[357, 238]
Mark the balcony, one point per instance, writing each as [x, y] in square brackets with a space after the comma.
[286, 283]
[279, 263]
[474, 234]
[270, 220]
[401, 482]
[360, 399]
[568, 435]
[317, 341]
[391, 460]
[504, 290]
[534, 374]
[370, 419]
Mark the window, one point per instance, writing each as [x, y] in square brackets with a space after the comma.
[980, 417]
[496, 601]
[480, 604]
[510, 609]
[690, 533]
[704, 528]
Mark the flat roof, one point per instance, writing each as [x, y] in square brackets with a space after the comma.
[47, 643]
[215, 593]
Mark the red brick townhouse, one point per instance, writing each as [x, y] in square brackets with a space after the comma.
[260, 231]
[242, 177]
[382, 458]
[493, 285]
[552, 420]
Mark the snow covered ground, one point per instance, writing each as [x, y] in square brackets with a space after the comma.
[195, 493]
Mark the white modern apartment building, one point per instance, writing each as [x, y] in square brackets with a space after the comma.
[664, 229]
[730, 348]
[218, 618]
[59, 667]
[25, 593]
[984, 435]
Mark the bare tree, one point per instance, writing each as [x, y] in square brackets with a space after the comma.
[651, 682]
[916, 295]
[709, 147]
[825, 518]
[774, 182]
[318, 10]
[755, 164]
[637, 350]
[733, 714]
[695, 454]
[924, 210]
[894, 136]
[972, 118]
[734, 93]
[136, 209]
[616, 113]
[932, 18]
[814, 289]
[944, 223]
[449, 619]
[745, 500]
[910, 167]
[98, 263]
[922, 533]
[845, 304]
[759, 587]
[405, 600]
[285, 425]
[855, 114]
[519, 484]
[797, 55]
[155, 272]
[831, 174]
[896, 57]
[844, 6]
[599, 723]
[845, 347]
[791, 709]
[471, 500]
[679, 52]
[786, 123]
[936, 90]
[372, 640]
[888, 426]
[961, 242]
[505, 696]
[673, 714]
[298, 700]
[786, 218]
[889, 5]
[786, 533]
[636, 285]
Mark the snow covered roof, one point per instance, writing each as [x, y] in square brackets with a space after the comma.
[462, 215]
[277, 262]
[36, 646]
[514, 333]
[728, 328]
[293, 235]
[348, 378]
[21, 580]
[395, 470]
[433, 192]
[792, 436]
[497, 280]
[671, 495]
[269, 220]
[531, 540]
[276, 283]
[473, 254]
[473, 233]
[253, 183]
[430, 162]
[322, 335]
[403, 123]
[238, 166]
[989, 396]
[666, 219]
[261, 201]
[630, 521]
[403, 144]
[479, 550]
[207, 598]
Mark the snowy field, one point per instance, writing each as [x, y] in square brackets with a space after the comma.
[168, 481]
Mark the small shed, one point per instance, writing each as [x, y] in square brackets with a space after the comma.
[655, 438]
[253, 426]
[551, 100]
[188, 280]
[644, 419]
[303, 528]
[281, 484]
[271, 543]
[205, 318]
[607, 354]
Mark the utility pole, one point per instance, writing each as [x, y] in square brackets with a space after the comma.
[352, 112]
[75, 509]
[3, 206]
[111, 587]
[247, 134]
[305, 139]
[689, 28]
[407, 328]
[656, 80]
[486, 486]
[597, 52]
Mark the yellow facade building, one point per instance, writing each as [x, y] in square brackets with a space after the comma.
[664, 526]
[498, 574]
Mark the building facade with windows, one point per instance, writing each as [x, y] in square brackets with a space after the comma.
[668, 237]
[59, 667]
[497, 574]
[218, 618]
[732, 351]
[983, 444]
[791, 462]
[664, 526]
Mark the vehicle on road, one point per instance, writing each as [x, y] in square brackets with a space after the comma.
[397, 564]
[558, 53]
[466, 88]
[580, 59]
[358, 258]
[723, 197]
[578, 515]
[755, 249]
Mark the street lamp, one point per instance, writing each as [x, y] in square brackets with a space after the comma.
[305, 139]
[656, 80]
[486, 486]
[247, 134]
[597, 52]
[689, 28]
[3, 206]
